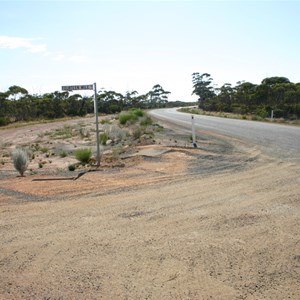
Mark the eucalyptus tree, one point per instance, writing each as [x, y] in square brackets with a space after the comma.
[157, 97]
[74, 105]
[245, 93]
[130, 99]
[225, 97]
[110, 101]
[203, 87]
[18, 102]
[271, 81]
[4, 109]
[15, 92]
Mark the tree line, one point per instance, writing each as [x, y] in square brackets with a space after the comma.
[16, 104]
[275, 94]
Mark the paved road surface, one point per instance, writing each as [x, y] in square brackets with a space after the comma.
[282, 141]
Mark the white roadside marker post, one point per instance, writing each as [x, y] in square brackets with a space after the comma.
[193, 132]
[272, 114]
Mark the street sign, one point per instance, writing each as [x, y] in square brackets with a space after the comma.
[77, 87]
[88, 87]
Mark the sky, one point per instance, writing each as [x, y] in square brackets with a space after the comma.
[134, 45]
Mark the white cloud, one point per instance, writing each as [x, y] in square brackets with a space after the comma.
[30, 44]
[10, 42]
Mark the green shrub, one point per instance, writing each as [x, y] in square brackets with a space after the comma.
[146, 121]
[44, 149]
[105, 121]
[256, 118]
[63, 133]
[35, 147]
[83, 155]
[137, 133]
[103, 138]
[127, 116]
[71, 168]
[3, 121]
[63, 154]
[130, 116]
[138, 112]
[21, 160]
[261, 112]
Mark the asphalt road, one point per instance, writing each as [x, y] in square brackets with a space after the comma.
[281, 141]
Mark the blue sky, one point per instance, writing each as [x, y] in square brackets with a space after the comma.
[133, 45]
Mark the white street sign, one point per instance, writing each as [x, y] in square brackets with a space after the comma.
[77, 87]
[88, 87]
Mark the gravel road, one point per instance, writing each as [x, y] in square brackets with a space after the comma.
[281, 141]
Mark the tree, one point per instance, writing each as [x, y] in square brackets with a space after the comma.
[131, 100]
[270, 81]
[245, 94]
[4, 109]
[73, 105]
[202, 87]
[157, 97]
[110, 102]
[225, 96]
[15, 92]
[274, 93]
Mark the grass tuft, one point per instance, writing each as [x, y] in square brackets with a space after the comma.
[83, 155]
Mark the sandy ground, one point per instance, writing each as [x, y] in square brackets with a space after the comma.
[217, 222]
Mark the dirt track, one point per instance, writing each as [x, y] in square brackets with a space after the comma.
[218, 222]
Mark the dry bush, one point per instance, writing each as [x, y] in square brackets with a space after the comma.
[20, 160]
[114, 132]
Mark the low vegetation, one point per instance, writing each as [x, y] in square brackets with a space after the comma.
[250, 117]
[118, 134]
[20, 160]
[63, 154]
[103, 138]
[72, 167]
[83, 155]
[131, 116]
[114, 133]
[146, 121]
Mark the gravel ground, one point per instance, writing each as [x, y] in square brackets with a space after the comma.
[217, 222]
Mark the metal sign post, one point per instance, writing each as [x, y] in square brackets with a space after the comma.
[97, 125]
[71, 88]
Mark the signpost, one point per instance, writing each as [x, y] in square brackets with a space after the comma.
[71, 88]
